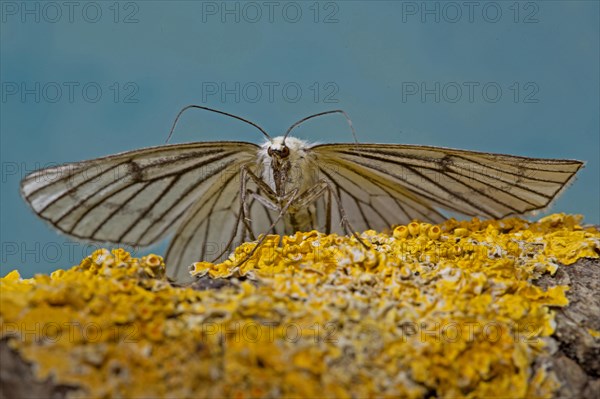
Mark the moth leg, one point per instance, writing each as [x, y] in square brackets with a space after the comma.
[245, 194]
[328, 213]
[268, 201]
[242, 212]
[265, 201]
[292, 197]
[344, 219]
[310, 195]
[260, 183]
[315, 192]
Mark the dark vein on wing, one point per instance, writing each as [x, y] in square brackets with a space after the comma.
[412, 188]
[149, 209]
[183, 227]
[189, 191]
[455, 194]
[119, 208]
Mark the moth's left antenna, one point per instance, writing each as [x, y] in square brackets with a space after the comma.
[216, 111]
[335, 111]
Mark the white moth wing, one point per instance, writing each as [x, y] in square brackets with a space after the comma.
[370, 200]
[135, 197]
[418, 180]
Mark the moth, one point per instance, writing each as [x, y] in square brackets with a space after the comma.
[211, 196]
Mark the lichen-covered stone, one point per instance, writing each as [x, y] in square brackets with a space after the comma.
[449, 310]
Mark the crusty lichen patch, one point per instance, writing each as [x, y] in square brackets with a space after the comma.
[449, 311]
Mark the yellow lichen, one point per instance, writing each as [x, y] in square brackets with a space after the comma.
[450, 310]
[594, 333]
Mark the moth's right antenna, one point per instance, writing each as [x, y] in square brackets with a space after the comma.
[216, 111]
[335, 111]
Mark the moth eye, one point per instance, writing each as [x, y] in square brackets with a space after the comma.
[270, 152]
[285, 152]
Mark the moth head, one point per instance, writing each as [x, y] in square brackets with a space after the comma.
[280, 151]
[282, 154]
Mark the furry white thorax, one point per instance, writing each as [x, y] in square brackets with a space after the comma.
[296, 166]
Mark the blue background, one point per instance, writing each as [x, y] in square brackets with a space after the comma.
[151, 58]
